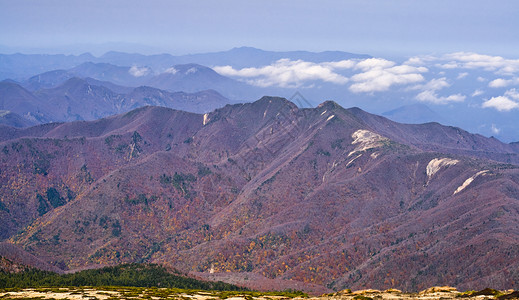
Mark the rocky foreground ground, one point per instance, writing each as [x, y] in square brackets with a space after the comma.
[112, 293]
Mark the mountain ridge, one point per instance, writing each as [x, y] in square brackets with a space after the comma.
[328, 195]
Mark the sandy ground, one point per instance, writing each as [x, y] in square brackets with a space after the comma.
[64, 293]
[435, 293]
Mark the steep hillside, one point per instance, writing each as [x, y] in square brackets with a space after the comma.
[14, 259]
[328, 196]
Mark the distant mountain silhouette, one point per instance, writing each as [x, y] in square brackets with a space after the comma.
[417, 113]
[240, 57]
[21, 66]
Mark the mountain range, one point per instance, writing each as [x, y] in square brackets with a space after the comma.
[476, 92]
[326, 196]
[20, 66]
[89, 99]
[186, 78]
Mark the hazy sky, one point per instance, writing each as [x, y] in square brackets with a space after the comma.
[375, 27]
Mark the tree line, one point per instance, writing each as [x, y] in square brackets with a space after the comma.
[138, 275]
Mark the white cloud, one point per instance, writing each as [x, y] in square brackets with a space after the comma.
[470, 60]
[437, 84]
[500, 82]
[513, 94]
[230, 71]
[373, 74]
[374, 63]
[501, 103]
[494, 129]
[432, 97]
[381, 80]
[429, 92]
[477, 93]
[192, 70]
[139, 72]
[449, 65]
[288, 73]
[342, 64]
[171, 70]
[415, 61]
[462, 75]
[380, 74]
[434, 84]
[420, 60]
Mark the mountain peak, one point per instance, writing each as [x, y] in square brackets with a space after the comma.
[246, 49]
[329, 105]
[272, 98]
[416, 113]
[275, 101]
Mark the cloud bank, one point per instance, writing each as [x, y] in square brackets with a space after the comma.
[509, 101]
[380, 74]
[500, 82]
[468, 60]
[432, 97]
[139, 71]
[289, 73]
[414, 76]
[370, 75]
[430, 89]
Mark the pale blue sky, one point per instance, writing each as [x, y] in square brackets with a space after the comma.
[377, 27]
